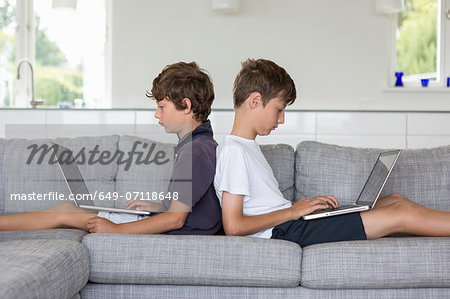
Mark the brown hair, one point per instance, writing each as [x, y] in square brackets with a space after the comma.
[267, 78]
[185, 80]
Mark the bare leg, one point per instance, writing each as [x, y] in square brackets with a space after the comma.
[396, 214]
[60, 216]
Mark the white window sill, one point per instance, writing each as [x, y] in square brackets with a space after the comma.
[416, 90]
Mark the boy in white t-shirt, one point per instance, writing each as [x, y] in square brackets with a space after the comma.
[252, 204]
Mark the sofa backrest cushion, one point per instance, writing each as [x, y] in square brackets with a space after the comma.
[18, 177]
[422, 175]
[281, 158]
[143, 181]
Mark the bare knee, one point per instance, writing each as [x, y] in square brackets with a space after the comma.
[400, 206]
[389, 200]
[67, 206]
[397, 196]
[402, 212]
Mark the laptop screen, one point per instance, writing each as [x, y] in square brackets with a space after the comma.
[70, 170]
[377, 178]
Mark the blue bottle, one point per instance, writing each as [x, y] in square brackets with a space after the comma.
[448, 81]
[399, 81]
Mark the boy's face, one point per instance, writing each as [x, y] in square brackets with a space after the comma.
[169, 117]
[270, 116]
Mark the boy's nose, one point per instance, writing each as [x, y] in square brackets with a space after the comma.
[281, 119]
[157, 113]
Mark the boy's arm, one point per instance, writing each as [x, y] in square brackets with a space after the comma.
[143, 205]
[236, 224]
[173, 219]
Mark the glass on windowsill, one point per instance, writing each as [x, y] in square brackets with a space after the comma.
[424, 82]
[78, 103]
[64, 105]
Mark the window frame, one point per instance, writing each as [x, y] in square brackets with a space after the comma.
[26, 49]
[442, 48]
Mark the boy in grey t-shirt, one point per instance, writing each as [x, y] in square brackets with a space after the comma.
[184, 94]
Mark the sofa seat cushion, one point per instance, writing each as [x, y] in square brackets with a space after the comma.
[65, 234]
[42, 268]
[422, 175]
[408, 262]
[133, 291]
[193, 260]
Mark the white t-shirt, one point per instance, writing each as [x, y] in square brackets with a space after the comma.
[242, 169]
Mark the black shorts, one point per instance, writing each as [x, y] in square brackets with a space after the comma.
[345, 227]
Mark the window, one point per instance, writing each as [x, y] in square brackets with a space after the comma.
[65, 46]
[8, 26]
[422, 43]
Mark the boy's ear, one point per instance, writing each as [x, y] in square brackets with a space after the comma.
[255, 99]
[188, 104]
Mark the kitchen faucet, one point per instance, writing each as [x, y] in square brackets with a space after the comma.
[33, 102]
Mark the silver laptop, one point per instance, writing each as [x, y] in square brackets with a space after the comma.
[371, 190]
[76, 184]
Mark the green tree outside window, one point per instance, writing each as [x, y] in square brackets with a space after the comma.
[417, 37]
[53, 82]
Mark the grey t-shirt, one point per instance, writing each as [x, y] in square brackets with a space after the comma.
[192, 179]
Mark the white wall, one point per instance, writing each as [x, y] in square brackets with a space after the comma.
[336, 51]
[357, 129]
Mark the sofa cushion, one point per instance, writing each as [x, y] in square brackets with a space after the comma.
[281, 158]
[326, 169]
[422, 175]
[65, 234]
[43, 268]
[21, 178]
[193, 260]
[133, 291]
[384, 263]
[142, 180]
[2, 176]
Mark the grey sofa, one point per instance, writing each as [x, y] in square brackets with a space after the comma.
[137, 266]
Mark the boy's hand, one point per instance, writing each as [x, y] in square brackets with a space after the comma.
[101, 225]
[143, 205]
[306, 206]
